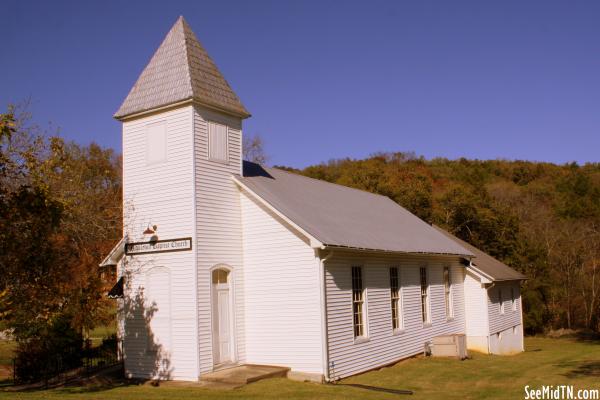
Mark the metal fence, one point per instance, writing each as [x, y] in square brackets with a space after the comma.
[63, 367]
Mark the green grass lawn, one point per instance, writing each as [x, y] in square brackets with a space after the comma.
[7, 348]
[101, 332]
[546, 361]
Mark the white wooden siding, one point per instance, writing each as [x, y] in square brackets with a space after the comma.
[158, 307]
[476, 314]
[160, 194]
[219, 233]
[500, 322]
[383, 346]
[508, 341]
[281, 277]
[475, 306]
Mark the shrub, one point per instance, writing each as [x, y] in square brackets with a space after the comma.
[45, 355]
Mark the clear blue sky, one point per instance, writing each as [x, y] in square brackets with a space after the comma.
[325, 79]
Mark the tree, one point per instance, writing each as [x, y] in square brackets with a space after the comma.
[60, 212]
[253, 149]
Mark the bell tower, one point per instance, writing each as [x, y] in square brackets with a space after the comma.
[182, 142]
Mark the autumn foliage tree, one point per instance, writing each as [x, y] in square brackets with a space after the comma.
[59, 213]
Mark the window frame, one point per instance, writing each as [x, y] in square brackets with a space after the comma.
[448, 295]
[501, 301]
[153, 143]
[210, 142]
[359, 304]
[425, 295]
[396, 303]
[220, 276]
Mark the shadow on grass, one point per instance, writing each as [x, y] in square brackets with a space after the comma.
[110, 379]
[583, 336]
[152, 362]
[5, 382]
[93, 387]
[376, 388]
[587, 337]
[581, 369]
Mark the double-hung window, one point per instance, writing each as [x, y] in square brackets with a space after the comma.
[448, 293]
[358, 302]
[424, 295]
[396, 300]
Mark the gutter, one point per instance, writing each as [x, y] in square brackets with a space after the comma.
[485, 278]
[324, 336]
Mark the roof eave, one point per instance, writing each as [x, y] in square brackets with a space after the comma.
[523, 278]
[430, 253]
[169, 106]
[115, 254]
[487, 278]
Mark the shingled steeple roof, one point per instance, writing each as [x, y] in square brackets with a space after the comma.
[181, 70]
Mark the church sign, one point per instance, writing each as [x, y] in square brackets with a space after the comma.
[158, 246]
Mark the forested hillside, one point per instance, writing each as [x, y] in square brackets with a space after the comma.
[540, 218]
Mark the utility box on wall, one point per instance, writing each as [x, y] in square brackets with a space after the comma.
[450, 346]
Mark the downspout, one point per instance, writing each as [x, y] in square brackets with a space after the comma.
[323, 290]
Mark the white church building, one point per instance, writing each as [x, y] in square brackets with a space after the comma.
[225, 262]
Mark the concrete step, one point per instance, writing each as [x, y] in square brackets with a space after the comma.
[244, 374]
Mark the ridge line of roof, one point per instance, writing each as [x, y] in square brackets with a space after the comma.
[327, 182]
[187, 54]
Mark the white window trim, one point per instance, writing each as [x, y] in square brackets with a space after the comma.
[449, 307]
[365, 324]
[426, 321]
[501, 301]
[218, 160]
[164, 158]
[400, 307]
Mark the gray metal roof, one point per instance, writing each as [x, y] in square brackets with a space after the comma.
[340, 216]
[179, 70]
[485, 263]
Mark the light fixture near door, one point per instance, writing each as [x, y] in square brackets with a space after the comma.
[151, 230]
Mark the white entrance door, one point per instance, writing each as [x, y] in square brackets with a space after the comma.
[221, 306]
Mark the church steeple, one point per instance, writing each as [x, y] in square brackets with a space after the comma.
[181, 71]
